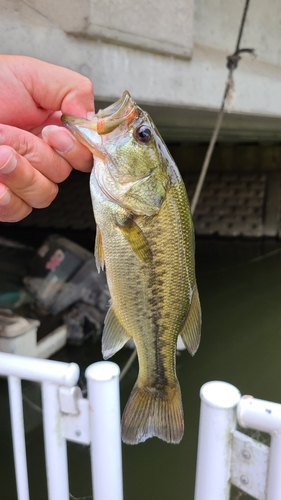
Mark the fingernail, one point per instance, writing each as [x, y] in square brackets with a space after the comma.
[5, 195]
[58, 138]
[9, 165]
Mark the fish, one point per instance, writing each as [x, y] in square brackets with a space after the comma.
[145, 241]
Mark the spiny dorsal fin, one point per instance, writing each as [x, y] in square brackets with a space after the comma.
[191, 330]
[99, 253]
[136, 239]
[114, 336]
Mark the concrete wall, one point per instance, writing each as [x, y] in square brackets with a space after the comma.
[170, 55]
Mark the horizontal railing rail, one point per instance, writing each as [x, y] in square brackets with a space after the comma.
[225, 456]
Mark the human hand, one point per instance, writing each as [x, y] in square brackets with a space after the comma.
[36, 152]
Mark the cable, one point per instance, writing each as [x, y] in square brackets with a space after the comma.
[232, 63]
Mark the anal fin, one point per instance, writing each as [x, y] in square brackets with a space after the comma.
[191, 330]
[114, 335]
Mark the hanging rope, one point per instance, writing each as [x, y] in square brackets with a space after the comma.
[232, 63]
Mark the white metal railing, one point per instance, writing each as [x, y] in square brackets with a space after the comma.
[227, 456]
[67, 415]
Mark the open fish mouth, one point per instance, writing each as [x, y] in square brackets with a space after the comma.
[107, 119]
[90, 132]
[123, 110]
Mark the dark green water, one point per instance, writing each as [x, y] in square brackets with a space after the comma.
[241, 344]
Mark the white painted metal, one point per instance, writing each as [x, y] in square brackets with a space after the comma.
[217, 422]
[103, 395]
[225, 455]
[51, 374]
[39, 370]
[68, 397]
[255, 467]
[274, 475]
[249, 465]
[67, 415]
[76, 427]
[55, 444]
[265, 416]
[16, 410]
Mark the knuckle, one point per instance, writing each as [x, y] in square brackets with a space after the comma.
[61, 170]
[21, 143]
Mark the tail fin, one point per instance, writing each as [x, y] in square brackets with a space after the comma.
[152, 412]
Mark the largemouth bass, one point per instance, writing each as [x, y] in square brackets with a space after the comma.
[145, 239]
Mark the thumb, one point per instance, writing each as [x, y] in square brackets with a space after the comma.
[67, 146]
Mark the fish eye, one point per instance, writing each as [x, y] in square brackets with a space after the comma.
[143, 134]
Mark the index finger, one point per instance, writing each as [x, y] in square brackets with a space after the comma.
[54, 87]
[61, 89]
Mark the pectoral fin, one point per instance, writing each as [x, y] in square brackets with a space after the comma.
[99, 254]
[136, 239]
[191, 330]
[114, 336]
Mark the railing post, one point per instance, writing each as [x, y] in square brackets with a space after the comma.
[106, 455]
[217, 422]
[274, 475]
[17, 423]
[55, 444]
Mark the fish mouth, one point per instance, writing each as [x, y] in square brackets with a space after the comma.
[89, 132]
[123, 110]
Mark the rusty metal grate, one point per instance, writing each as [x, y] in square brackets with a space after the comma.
[231, 205]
